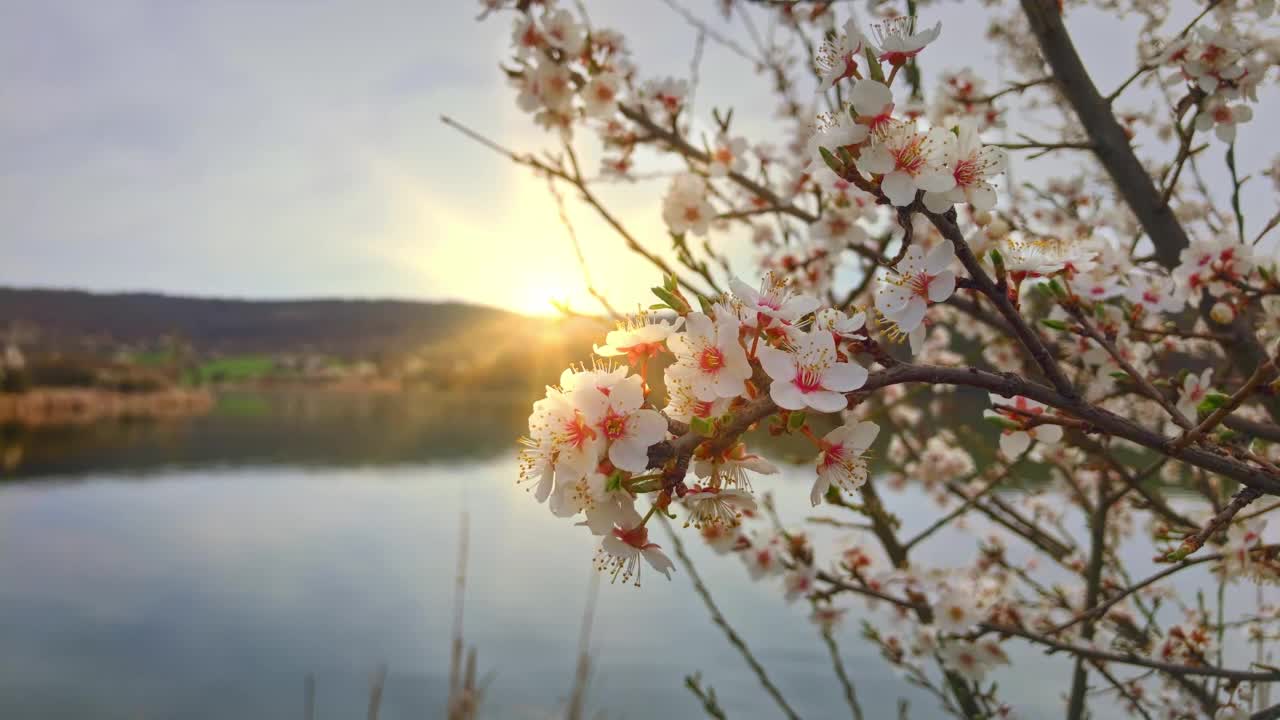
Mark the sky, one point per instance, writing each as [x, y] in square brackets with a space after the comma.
[293, 148]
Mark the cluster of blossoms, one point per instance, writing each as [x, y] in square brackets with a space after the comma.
[1225, 70]
[961, 96]
[591, 439]
[905, 298]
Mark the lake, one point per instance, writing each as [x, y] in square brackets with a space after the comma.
[203, 568]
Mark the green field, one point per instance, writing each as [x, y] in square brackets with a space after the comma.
[234, 369]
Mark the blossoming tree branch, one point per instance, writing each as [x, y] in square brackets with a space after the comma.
[1122, 322]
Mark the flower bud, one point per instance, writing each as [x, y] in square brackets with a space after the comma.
[982, 217]
[997, 229]
[1222, 313]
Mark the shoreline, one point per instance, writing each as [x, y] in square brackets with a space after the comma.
[73, 406]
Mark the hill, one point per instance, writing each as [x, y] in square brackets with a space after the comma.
[442, 341]
[73, 319]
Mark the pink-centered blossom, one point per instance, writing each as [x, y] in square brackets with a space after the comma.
[682, 403]
[810, 375]
[839, 324]
[922, 279]
[776, 300]
[621, 551]
[842, 462]
[798, 583]
[838, 229]
[716, 506]
[872, 103]
[638, 337]
[615, 415]
[1222, 117]
[711, 356]
[1153, 292]
[1193, 391]
[561, 446]
[685, 207]
[899, 41]
[1019, 411]
[600, 95]
[909, 161]
[763, 556]
[563, 31]
[972, 659]
[838, 57]
[601, 497]
[1212, 265]
[727, 155]
[730, 467]
[972, 165]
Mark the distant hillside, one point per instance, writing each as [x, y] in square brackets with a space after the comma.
[77, 320]
[442, 344]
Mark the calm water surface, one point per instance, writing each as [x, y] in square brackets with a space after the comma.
[202, 569]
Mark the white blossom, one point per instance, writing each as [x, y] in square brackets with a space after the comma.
[1020, 411]
[638, 336]
[619, 421]
[841, 461]
[621, 551]
[711, 356]
[809, 374]
[972, 165]
[922, 279]
[899, 41]
[685, 207]
[909, 160]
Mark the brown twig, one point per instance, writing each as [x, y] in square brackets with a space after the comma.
[1260, 375]
[1219, 521]
[1141, 380]
[719, 619]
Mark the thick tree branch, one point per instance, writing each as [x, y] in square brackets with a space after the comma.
[1110, 143]
[1027, 335]
[1111, 146]
[1003, 384]
[1009, 385]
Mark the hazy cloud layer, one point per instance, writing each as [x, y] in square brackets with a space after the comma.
[294, 148]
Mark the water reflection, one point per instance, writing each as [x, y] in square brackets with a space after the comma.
[284, 427]
[283, 536]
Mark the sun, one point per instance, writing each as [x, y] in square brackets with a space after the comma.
[545, 299]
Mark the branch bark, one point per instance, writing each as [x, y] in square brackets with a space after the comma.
[1110, 143]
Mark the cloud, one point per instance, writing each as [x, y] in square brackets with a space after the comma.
[294, 148]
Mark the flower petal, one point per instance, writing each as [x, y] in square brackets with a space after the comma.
[778, 364]
[1013, 444]
[870, 96]
[629, 455]
[658, 560]
[940, 257]
[942, 286]
[938, 181]
[844, 377]
[938, 202]
[820, 485]
[900, 188]
[910, 316]
[825, 401]
[786, 395]
[628, 394]
[864, 433]
[876, 160]
[982, 196]
[1049, 434]
[646, 427]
